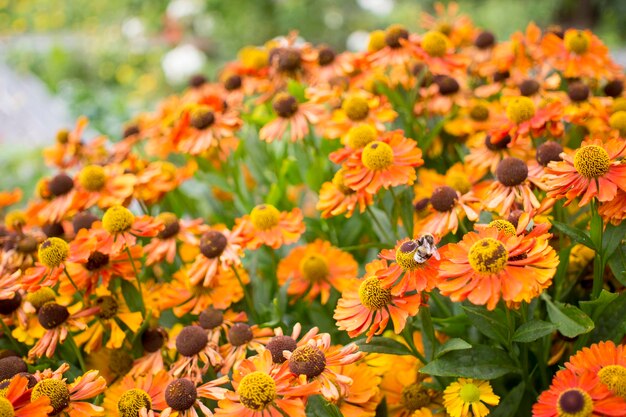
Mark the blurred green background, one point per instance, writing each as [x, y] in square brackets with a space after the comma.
[109, 59]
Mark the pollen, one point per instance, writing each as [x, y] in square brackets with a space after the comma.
[356, 108]
[6, 408]
[577, 42]
[314, 268]
[373, 295]
[503, 226]
[132, 401]
[56, 390]
[285, 105]
[458, 181]
[435, 43]
[338, 181]
[592, 161]
[404, 255]
[40, 297]
[614, 377]
[264, 217]
[414, 397]
[256, 390]
[92, 178]
[488, 256]
[618, 121]
[376, 41]
[108, 306]
[469, 393]
[574, 402]
[53, 251]
[307, 360]
[117, 219]
[520, 109]
[377, 156]
[15, 219]
[361, 135]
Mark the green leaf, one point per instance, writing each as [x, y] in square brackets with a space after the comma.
[132, 296]
[594, 308]
[452, 344]
[612, 237]
[617, 263]
[611, 322]
[317, 406]
[533, 330]
[382, 345]
[381, 225]
[575, 234]
[490, 323]
[481, 362]
[510, 403]
[569, 320]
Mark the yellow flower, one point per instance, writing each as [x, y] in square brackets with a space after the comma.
[465, 393]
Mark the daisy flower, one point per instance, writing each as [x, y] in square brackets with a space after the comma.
[163, 246]
[510, 188]
[366, 305]
[364, 394]
[17, 400]
[316, 268]
[280, 343]
[219, 249]
[137, 396]
[336, 198]
[595, 170]
[467, 397]
[266, 225]
[392, 48]
[242, 337]
[104, 186]
[120, 229]
[448, 206]
[607, 361]
[197, 353]
[52, 254]
[292, 116]
[64, 199]
[152, 341]
[486, 151]
[489, 264]
[183, 397]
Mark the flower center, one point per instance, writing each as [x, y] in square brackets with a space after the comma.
[618, 121]
[511, 171]
[499, 145]
[405, 255]
[108, 306]
[117, 219]
[52, 315]
[469, 393]
[11, 366]
[577, 41]
[592, 161]
[6, 408]
[278, 344]
[325, 56]
[488, 256]
[285, 105]
[9, 305]
[60, 184]
[96, 261]
[83, 220]
[15, 219]
[314, 268]
[56, 390]
[338, 181]
[153, 340]
[120, 362]
[574, 403]
[373, 295]
[377, 156]
[520, 109]
[578, 91]
[256, 390]
[485, 40]
[447, 85]
[307, 360]
[40, 297]
[53, 251]
[435, 43]
[63, 136]
[191, 340]
[361, 135]
[458, 181]
[356, 108]
[264, 217]
[92, 178]
[233, 83]
[132, 401]
[289, 59]
[181, 394]
[202, 117]
[548, 152]
[172, 226]
[27, 244]
[529, 87]
[504, 226]
[211, 318]
[479, 112]
[414, 397]
[240, 334]
[393, 35]
[444, 198]
[614, 88]
[212, 244]
[376, 41]
[614, 377]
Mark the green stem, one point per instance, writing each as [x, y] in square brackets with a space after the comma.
[7, 333]
[396, 207]
[67, 274]
[246, 293]
[79, 354]
[138, 278]
[596, 231]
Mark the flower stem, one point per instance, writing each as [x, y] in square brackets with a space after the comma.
[67, 274]
[597, 226]
[79, 355]
[246, 293]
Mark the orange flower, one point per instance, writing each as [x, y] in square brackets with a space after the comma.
[366, 305]
[197, 353]
[490, 264]
[391, 49]
[265, 225]
[263, 389]
[293, 116]
[104, 186]
[364, 395]
[120, 229]
[614, 211]
[17, 401]
[447, 207]
[141, 396]
[163, 247]
[8, 198]
[64, 153]
[595, 170]
[573, 395]
[510, 188]
[605, 360]
[183, 396]
[219, 249]
[316, 268]
[387, 162]
[241, 338]
[336, 198]
[486, 152]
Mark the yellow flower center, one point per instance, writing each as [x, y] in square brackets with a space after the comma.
[373, 295]
[252, 57]
[469, 393]
[132, 401]
[338, 181]
[377, 156]
[256, 390]
[63, 136]
[314, 268]
[414, 397]
[361, 135]
[15, 219]
[435, 43]
[504, 226]
[520, 109]
[6, 408]
[405, 255]
[619, 104]
[108, 306]
[618, 121]
[614, 377]
[592, 161]
[479, 112]
[56, 390]
[574, 403]
[40, 297]
[92, 178]
[356, 108]
[53, 251]
[458, 181]
[307, 360]
[117, 219]
[577, 41]
[168, 169]
[264, 217]
[488, 256]
[377, 41]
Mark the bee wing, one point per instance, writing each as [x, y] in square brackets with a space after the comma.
[436, 254]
